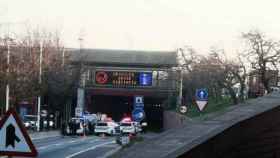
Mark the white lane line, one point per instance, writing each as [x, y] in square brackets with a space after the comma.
[111, 152]
[88, 149]
[59, 144]
[43, 137]
[95, 140]
[111, 145]
[45, 147]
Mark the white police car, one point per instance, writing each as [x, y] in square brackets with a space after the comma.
[106, 128]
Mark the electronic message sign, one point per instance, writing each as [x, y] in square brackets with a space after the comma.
[123, 78]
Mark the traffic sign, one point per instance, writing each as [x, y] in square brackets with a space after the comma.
[201, 104]
[138, 114]
[78, 112]
[14, 138]
[145, 78]
[138, 106]
[138, 100]
[44, 113]
[183, 109]
[201, 95]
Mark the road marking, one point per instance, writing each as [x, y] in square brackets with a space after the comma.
[95, 140]
[59, 144]
[88, 149]
[111, 152]
[45, 147]
[111, 145]
[43, 137]
[69, 142]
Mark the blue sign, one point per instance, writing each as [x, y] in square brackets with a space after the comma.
[145, 79]
[201, 95]
[138, 114]
[138, 100]
[138, 106]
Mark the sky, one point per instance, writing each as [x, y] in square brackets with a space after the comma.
[145, 24]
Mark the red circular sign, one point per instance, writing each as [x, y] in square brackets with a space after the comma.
[101, 77]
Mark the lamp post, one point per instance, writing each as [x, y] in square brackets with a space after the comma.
[8, 71]
[40, 82]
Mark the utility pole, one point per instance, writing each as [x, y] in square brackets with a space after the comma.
[80, 90]
[63, 56]
[8, 71]
[180, 73]
[40, 82]
[180, 88]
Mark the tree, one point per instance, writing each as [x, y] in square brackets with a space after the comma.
[263, 54]
[3, 68]
[232, 73]
[214, 72]
[240, 71]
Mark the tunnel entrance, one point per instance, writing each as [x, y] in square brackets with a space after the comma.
[117, 107]
[114, 106]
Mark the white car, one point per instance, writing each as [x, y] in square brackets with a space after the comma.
[137, 126]
[105, 128]
[30, 121]
[128, 127]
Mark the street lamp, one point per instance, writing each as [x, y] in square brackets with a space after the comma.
[40, 82]
[8, 71]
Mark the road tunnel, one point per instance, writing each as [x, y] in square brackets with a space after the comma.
[118, 107]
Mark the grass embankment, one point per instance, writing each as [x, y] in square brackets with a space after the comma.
[211, 107]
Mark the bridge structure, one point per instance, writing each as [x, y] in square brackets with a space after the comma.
[250, 129]
[110, 80]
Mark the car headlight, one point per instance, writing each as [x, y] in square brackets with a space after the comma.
[144, 124]
[26, 124]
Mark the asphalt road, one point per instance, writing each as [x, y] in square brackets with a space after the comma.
[75, 147]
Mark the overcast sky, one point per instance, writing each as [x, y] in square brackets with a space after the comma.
[146, 24]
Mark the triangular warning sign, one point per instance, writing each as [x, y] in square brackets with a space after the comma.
[201, 104]
[14, 138]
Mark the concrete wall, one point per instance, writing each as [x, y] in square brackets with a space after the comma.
[248, 130]
[256, 137]
[173, 120]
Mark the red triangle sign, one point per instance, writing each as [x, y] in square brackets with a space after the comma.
[15, 140]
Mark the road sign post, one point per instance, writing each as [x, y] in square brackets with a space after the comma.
[78, 111]
[201, 96]
[138, 100]
[183, 109]
[138, 115]
[14, 138]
